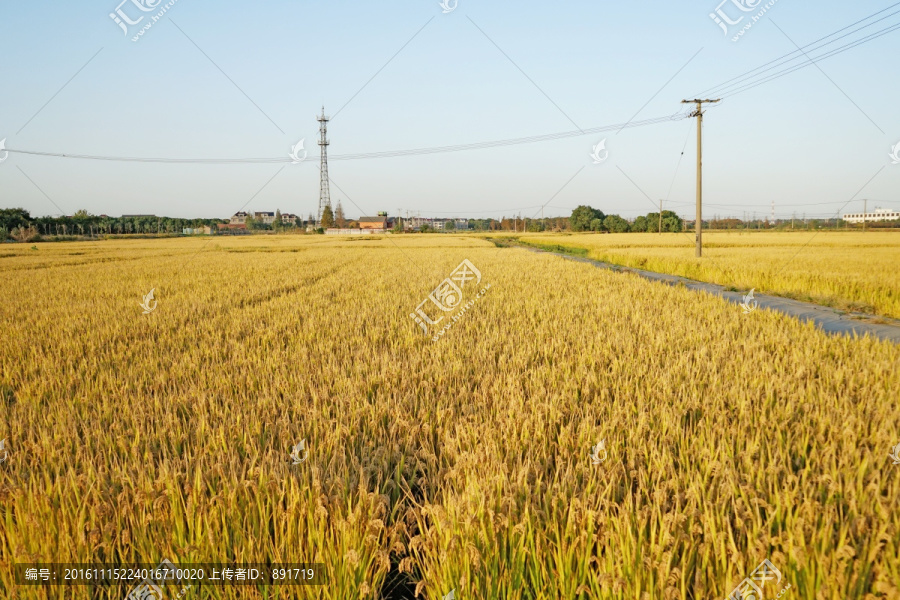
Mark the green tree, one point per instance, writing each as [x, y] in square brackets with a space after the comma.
[582, 216]
[639, 225]
[277, 225]
[14, 217]
[596, 225]
[327, 217]
[615, 224]
[449, 225]
[671, 222]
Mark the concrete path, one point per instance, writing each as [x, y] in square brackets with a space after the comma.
[828, 319]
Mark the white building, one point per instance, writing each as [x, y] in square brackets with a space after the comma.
[266, 217]
[880, 214]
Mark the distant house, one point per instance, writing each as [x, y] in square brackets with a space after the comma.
[233, 227]
[239, 218]
[198, 230]
[374, 222]
[346, 231]
[265, 217]
[288, 218]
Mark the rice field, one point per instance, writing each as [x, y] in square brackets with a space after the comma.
[850, 271]
[471, 464]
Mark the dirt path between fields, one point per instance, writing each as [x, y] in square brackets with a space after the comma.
[829, 320]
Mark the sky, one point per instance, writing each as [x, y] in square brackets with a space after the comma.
[232, 80]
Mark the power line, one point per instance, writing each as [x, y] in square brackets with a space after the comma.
[368, 155]
[815, 60]
[745, 81]
[808, 45]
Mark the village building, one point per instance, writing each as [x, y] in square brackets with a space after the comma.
[379, 223]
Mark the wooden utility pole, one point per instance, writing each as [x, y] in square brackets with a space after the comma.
[699, 114]
[865, 210]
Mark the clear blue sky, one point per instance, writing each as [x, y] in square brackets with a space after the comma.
[799, 141]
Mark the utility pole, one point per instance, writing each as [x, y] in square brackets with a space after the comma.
[699, 114]
[865, 210]
[660, 215]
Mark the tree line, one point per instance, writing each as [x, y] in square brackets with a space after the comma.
[586, 218]
[18, 224]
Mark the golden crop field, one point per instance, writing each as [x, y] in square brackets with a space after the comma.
[851, 271]
[469, 464]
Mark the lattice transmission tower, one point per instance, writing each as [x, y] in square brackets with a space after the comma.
[324, 192]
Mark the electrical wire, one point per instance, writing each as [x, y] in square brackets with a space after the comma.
[815, 60]
[360, 156]
[680, 158]
[758, 76]
[800, 50]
